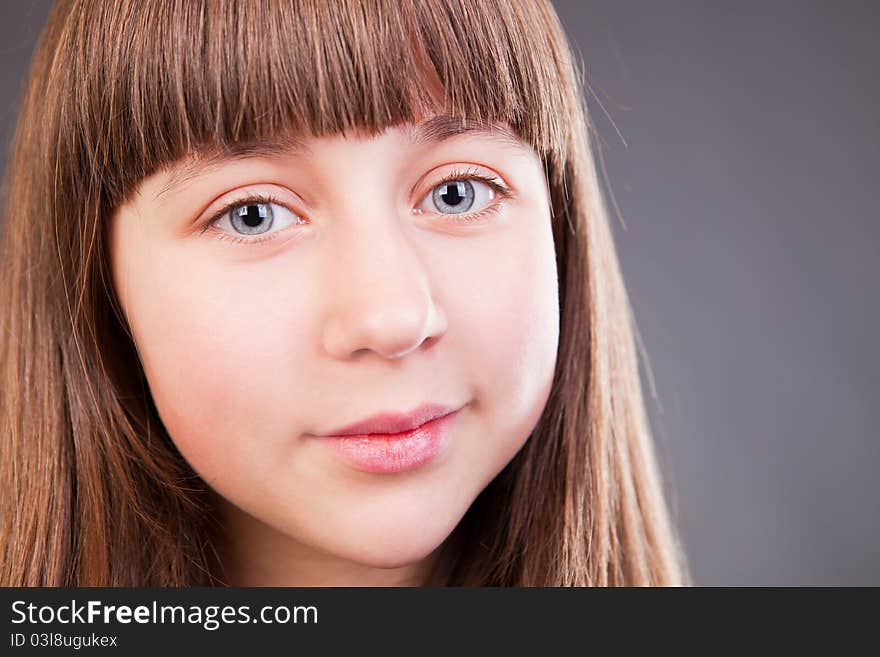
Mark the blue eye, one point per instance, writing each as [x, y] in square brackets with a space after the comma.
[454, 197]
[249, 219]
[252, 218]
[465, 193]
[465, 196]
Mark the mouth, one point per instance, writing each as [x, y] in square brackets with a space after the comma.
[395, 451]
[391, 423]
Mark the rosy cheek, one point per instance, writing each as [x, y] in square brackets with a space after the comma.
[189, 358]
[522, 339]
[509, 312]
[225, 357]
[190, 387]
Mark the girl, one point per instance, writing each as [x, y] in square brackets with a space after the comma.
[316, 293]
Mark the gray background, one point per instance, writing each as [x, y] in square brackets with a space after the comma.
[741, 145]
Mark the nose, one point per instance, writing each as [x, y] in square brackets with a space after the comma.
[380, 293]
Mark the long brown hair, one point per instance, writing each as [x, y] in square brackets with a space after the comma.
[94, 491]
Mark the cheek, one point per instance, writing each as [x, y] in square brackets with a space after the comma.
[506, 312]
[222, 353]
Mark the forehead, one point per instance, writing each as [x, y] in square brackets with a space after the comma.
[433, 130]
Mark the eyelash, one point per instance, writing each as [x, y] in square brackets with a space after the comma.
[502, 193]
[253, 198]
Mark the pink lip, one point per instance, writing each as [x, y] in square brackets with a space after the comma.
[377, 452]
[392, 423]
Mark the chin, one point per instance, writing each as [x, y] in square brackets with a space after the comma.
[383, 548]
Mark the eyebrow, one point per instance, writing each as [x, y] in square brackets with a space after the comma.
[443, 126]
[432, 131]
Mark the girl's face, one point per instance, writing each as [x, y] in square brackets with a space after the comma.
[347, 281]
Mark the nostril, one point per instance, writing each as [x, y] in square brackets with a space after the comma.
[430, 341]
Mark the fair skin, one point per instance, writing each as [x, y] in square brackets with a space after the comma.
[365, 297]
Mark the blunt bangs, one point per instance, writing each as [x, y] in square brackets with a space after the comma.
[210, 74]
